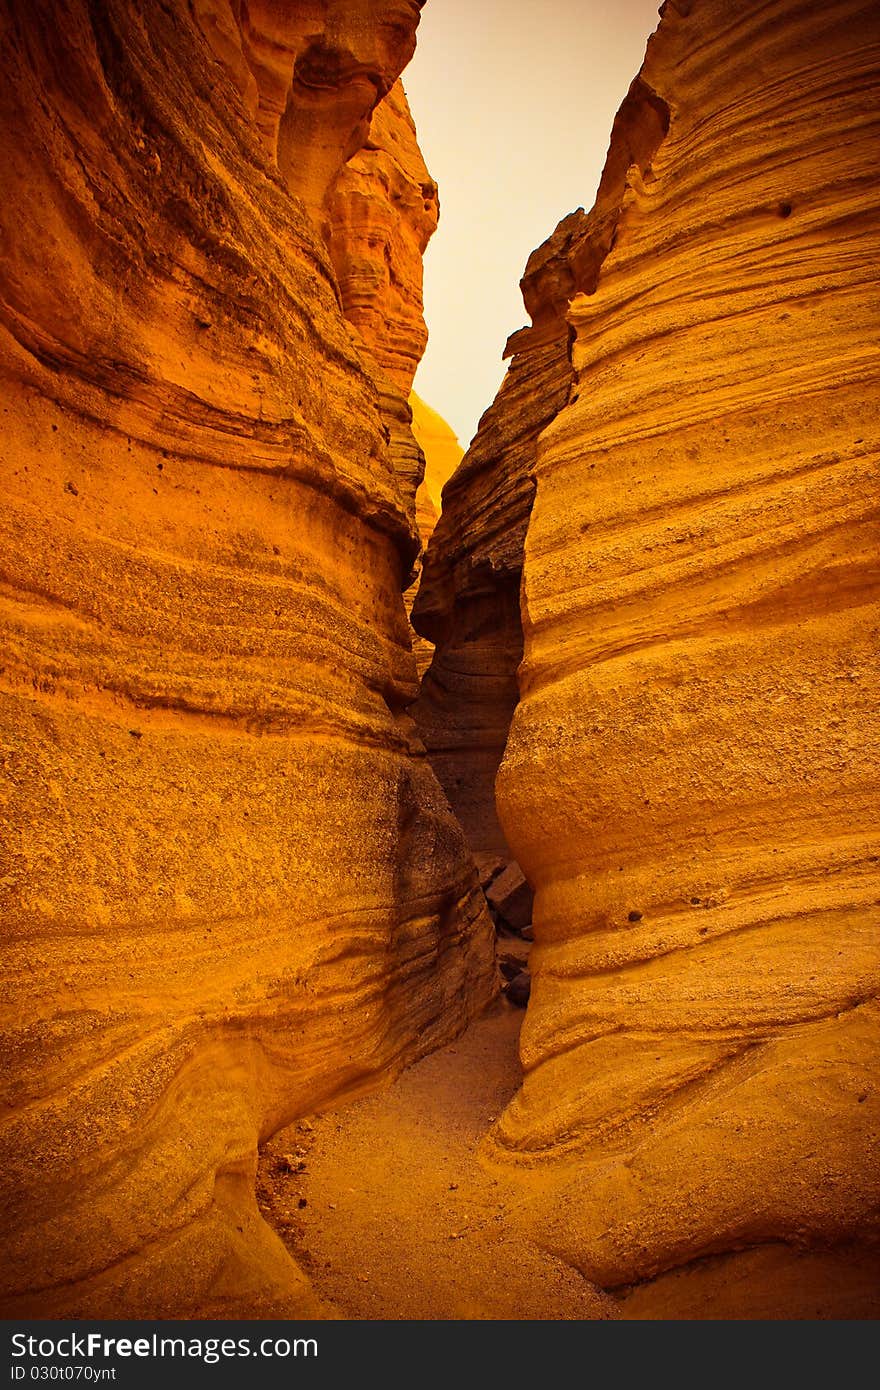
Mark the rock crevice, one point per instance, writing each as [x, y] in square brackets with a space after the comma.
[468, 599]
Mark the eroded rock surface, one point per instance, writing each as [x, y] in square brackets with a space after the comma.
[310, 74]
[232, 889]
[383, 211]
[690, 780]
[468, 601]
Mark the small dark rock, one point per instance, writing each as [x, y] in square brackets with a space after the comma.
[519, 989]
[302, 1203]
[511, 897]
[135, 733]
[528, 933]
[71, 487]
[510, 967]
[634, 916]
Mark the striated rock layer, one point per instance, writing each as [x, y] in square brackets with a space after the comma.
[309, 74]
[383, 211]
[232, 889]
[690, 780]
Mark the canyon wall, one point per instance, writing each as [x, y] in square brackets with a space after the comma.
[383, 209]
[468, 601]
[690, 778]
[442, 454]
[232, 889]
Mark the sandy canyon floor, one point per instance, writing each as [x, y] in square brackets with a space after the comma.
[393, 1214]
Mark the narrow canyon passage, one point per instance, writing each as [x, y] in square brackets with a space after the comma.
[392, 1211]
[319, 736]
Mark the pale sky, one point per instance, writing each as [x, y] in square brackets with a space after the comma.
[513, 102]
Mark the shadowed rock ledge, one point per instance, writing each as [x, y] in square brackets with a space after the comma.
[233, 891]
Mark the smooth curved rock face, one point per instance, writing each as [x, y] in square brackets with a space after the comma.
[690, 780]
[310, 74]
[442, 454]
[232, 890]
[468, 599]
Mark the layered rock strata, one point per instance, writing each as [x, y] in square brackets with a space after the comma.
[232, 889]
[309, 75]
[690, 779]
[316, 83]
[383, 209]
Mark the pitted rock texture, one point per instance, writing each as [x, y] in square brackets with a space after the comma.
[232, 889]
[690, 780]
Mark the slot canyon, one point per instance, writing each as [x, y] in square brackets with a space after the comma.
[437, 883]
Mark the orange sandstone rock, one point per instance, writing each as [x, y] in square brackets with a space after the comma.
[690, 780]
[468, 599]
[382, 212]
[442, 453]
[320, 84]
[311, 74]
[232, 890]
